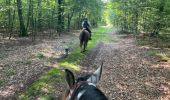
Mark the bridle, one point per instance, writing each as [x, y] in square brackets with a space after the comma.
[76, 89]
[79, 87]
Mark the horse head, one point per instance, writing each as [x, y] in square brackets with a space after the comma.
[83, 88]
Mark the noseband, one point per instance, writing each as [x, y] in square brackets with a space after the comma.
[80, 87]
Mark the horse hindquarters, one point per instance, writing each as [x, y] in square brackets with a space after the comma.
[84, 37]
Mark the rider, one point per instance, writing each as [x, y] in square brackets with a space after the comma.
[86, 25]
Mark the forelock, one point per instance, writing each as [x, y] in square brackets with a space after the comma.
[84, 78]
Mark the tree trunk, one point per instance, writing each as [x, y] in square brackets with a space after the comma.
[39, 20]
[12, 23]
[29, 14]
[69, 17]
[8, 3]
[60, 16]
[23, 31]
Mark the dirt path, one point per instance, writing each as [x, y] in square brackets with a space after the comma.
[129, 73]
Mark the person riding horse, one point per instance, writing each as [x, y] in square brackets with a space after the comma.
[86, 26]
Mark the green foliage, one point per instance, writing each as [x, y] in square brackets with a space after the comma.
[44, 14]
[150, 16]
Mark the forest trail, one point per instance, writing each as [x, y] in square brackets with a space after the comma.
[129, 73]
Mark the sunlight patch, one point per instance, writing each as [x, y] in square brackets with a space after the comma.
[70, 66]
[164, 57]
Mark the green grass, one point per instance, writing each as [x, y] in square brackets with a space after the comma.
[1, 83]
[163, 57]
[165, 31]
[55, 76]
[151, 53]
[44, 87]
[10, 72]
[40, 55]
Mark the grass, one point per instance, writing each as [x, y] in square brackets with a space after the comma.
[151, 53]
[1, 83]
[163, 57]
[10, 72]
[40, 55]
[44, 88]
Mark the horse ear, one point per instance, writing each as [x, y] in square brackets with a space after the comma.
[69, 78]
[95, 77]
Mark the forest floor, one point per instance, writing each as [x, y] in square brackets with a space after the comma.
[22, 61]
[130, 71]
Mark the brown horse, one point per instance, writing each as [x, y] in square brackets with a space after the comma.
[84, 37]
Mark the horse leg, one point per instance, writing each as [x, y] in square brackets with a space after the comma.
[85, 46]
[81, 46]
[84, 49]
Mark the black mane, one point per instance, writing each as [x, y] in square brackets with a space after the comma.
[83, 78]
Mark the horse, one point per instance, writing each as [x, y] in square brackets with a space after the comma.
[83, 88]
[84, 37]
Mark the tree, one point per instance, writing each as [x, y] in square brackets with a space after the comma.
[60, 15]
[23, 31]
[137, 16]
[35, 16]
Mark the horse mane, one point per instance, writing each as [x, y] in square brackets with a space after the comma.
[91, 93]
